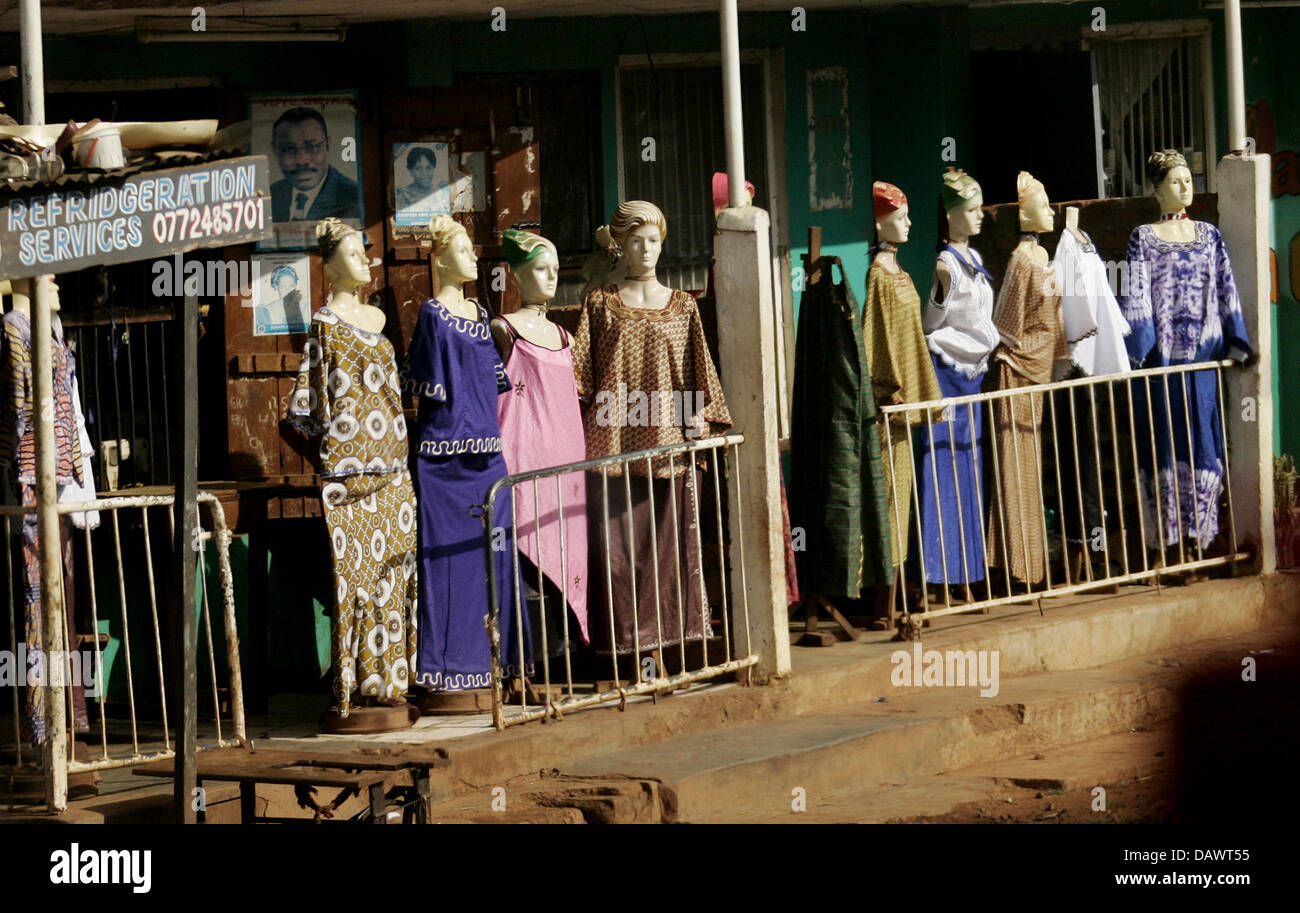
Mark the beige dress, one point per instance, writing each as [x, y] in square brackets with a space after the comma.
[1028, 318]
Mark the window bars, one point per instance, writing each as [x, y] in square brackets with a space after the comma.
[648, 512]
[1022, 494]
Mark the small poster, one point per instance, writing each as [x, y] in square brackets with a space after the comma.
[281, 294]
[421, 182]
[313, 144]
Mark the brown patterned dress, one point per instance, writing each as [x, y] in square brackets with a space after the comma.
[648, 381]
[1028, 318]
[348, 393]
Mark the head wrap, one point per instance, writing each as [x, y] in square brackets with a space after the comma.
[888, 198]
[523, 246]
[1026, 186]
[1161, 163]
[721, 191]
[960, 189]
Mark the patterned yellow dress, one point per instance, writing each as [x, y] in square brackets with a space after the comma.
[348, 392]
[901, 372]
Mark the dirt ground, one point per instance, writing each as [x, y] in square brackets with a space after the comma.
[1144, 800]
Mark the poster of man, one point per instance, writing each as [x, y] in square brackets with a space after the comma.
[421, 182]
[316, 169]
[281, 294]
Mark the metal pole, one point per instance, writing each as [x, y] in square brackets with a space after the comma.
[186, 541]
[1236, 76]
[47, 492]
[732, 118]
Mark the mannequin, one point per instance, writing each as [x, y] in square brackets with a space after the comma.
[457, 375]
[1095, 330]
[541, 426]
[347, 392]
[639, 343]
[1183, 307]
[71, 463]
[1028, 318]
[958, 322]
[901, 370]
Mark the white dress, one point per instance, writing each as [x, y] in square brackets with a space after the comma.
[1094, 325]
[960, 329]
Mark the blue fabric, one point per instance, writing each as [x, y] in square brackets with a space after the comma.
[935, 467]
[1183, 307]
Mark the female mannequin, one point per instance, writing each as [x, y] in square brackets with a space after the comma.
[18, 456]
[541, 426]
[959, 327]
[348, 393]
[901, 370]
[1028, 318]
[641, 342]
[454, 369]
[1183, 306]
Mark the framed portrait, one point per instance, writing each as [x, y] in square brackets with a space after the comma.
[313, 145]
[281, 294]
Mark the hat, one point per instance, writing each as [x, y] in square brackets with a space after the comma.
[721, 191]
[960, 189]
[888, 198]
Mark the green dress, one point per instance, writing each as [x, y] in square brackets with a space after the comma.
[837, 486]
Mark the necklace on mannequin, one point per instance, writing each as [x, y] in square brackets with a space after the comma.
[641, 278]
[1029, 236]
[1171, 216]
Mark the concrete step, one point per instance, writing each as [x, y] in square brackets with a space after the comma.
[764, 770]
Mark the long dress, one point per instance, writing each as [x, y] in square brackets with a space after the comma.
[348, 393]
[1183, 306]
[901, 372]
[18, 454]
[1028, 317]
[650, 382]
[1095, 329]
[541, 427]
[837, 486]
[949, 455]
[452, 366]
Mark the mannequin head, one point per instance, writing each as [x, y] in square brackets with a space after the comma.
[453, 250]
[535, 264]
[639, 228]
[892, 222]
[1172, 179]
[962, 205]
[344, 250]
[1035, 209]
[722, 192]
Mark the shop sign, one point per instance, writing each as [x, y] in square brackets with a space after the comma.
[141, 217]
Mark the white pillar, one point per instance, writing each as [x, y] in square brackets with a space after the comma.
[732, 114]
[1236, 78]
[747, 351]
[1245, 220]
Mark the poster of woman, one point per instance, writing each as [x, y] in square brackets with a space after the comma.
[281, 295]
[421, 182]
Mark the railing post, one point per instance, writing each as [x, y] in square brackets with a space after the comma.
[747, 352]
[1244, 219]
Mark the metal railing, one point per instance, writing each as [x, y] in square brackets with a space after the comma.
[619, 509]
[1037, 472]
[126, 571]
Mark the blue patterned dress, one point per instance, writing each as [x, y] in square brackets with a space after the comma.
[1183, 307]
[454, 369]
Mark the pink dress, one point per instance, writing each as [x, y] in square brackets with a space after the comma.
[541, 427]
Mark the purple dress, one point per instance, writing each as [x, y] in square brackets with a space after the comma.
[454, 368]
[1183, 306]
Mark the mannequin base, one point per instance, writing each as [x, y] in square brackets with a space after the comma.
[472, 700]
[370, 719]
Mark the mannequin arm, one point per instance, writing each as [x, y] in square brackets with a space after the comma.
[501, 336]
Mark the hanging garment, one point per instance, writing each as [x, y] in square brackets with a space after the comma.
[541, 427]
[348, 393]
[453, 368]
[949, 454]
[901, 372]
[837, 490]
[18, 455]
[1094, 326]
[1028, 317]
[1183, 307]
[649, 381]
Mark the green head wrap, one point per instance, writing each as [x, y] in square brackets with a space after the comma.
[960, 189]
[522, 246]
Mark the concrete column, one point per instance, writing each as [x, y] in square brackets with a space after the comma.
[747, 350]
[1245, 219]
